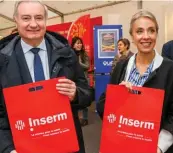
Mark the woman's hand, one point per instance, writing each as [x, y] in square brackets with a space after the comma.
[126, 84]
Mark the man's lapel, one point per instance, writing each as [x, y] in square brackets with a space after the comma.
[55, 65]
[60, 58]
[59, 55]
[53, 56]
[49, 53]
[23, 67]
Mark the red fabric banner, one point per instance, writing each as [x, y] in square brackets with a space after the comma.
[64, 28]
[81, 28]
[60, 28]
[131, 121]
[40, 118]
[86, 27]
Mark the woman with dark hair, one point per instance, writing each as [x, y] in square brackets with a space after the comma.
[123, 51]
[78, 46]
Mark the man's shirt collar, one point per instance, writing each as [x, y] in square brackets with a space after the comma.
[26, 47]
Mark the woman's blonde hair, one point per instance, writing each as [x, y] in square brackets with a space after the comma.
[145, 14]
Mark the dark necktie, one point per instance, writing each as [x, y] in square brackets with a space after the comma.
[38, 68]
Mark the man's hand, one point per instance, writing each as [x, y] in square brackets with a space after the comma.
[13, 151]
[158, 150]
[66, 87]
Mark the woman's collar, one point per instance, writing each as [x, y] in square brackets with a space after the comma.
[158, 59]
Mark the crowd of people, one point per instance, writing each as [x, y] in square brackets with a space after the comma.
[146, 68]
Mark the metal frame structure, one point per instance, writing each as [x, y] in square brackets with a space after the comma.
[6, 17]
[61, 14]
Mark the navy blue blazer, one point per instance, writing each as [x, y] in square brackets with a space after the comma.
[167, 50]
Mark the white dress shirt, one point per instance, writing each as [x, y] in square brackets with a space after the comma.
[29, 56]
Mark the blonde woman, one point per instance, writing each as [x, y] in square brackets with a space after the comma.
[148, 69]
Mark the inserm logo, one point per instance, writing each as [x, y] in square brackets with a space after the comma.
[19, 125]
[47, 120]
[41, 121]
[111, 118]
[130, 122]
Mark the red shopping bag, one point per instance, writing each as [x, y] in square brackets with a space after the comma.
[40, 118]
[131, 121]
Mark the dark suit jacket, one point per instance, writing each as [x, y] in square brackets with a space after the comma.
[14, 71]
[161, 78]
[167, 50]
[123, 57]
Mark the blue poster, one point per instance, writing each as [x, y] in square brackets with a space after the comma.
[105, 46]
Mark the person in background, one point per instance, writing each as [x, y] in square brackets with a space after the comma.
[123, 51]
[78, 46]
[167, 50]
[147, 69]
[33, 55]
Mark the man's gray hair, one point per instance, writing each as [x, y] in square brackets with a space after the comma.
[27, 1]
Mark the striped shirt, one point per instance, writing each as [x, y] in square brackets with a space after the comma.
[136, 79]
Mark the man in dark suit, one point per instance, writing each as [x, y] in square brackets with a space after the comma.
[32, 55]
[167, 50]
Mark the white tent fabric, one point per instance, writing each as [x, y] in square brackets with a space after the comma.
[56, 8]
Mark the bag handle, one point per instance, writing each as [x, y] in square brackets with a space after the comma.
[35, 88]
[137, 90]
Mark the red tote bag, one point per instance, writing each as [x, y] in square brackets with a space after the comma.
[131, 121]
[40, 118]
